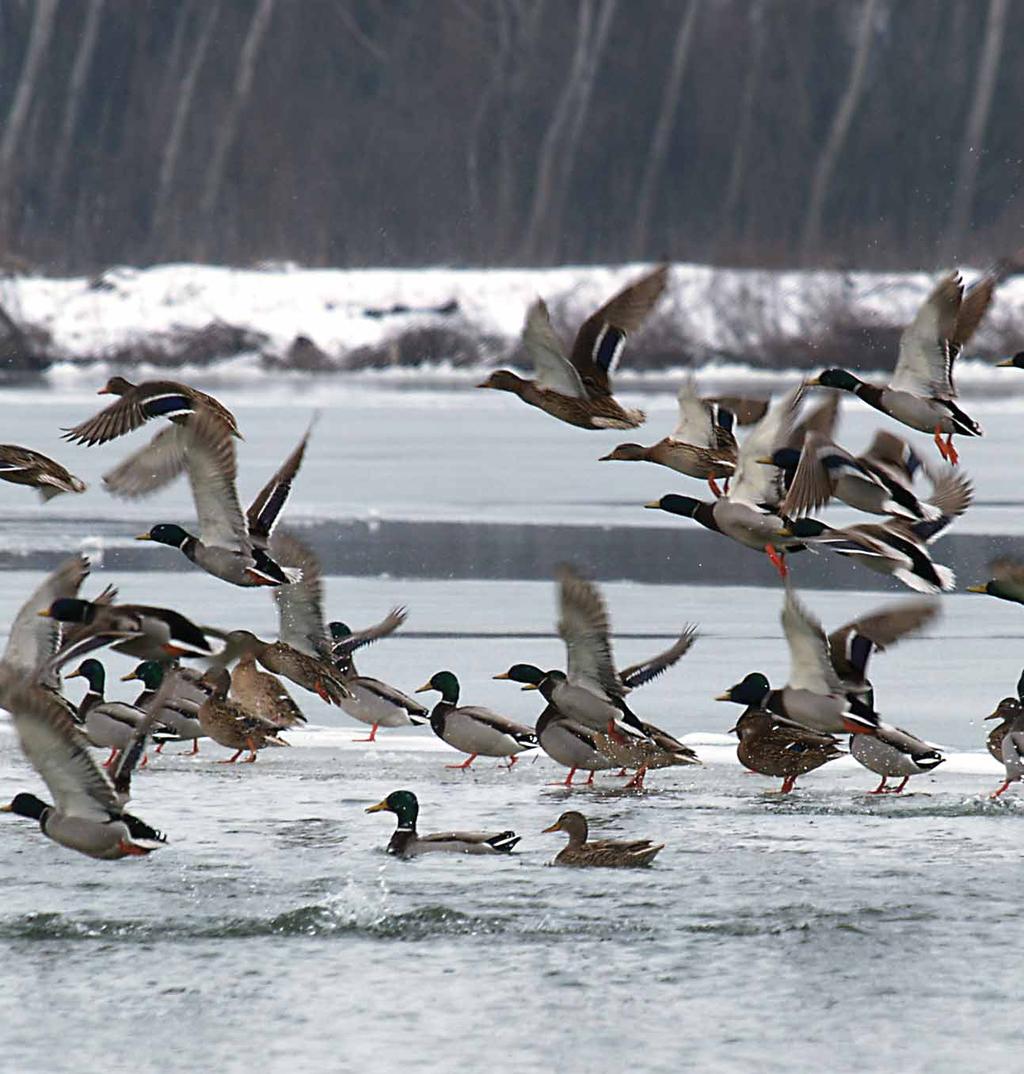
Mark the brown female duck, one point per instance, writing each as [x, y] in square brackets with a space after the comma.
[23, 466]
[231, 725]
[577, 388]
[774, 746]
[601, 853]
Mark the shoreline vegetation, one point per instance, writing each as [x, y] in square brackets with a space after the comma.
[326, 321]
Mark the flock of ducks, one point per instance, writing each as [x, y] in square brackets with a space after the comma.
[200, 682]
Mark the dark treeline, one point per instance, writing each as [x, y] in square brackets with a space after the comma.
[876, 133]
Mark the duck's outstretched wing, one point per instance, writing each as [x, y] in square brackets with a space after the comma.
[583, 626]
[638, 674]
[263, 513]
[925, 363]
[810, 663]
[300, 604]
[151, 467]
[552, 371]
[602, 336]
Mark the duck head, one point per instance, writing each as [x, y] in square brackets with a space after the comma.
[339, 631]
[842, 379]
[1008, 709]
[150, 673]
[92, 671]
[504, 380]
[26, 805]
[752, 722]
[677, 505]
[116, 386]
[573, 823]
[753, 690]
[70, 610]
[216, 682]
[1000, 589]
[445, 683]
[403, 804]
[166, 533]
[626, 453]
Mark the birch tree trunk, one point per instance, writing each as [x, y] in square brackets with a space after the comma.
[76, 86]
[172, 150]
[548, 157]
[974, 133]
[228, 127]
[44, 13]
[657, 151]
[833, 148]
[554, 230]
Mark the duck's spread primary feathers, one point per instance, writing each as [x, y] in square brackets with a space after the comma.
[601, 853]
[408, 843]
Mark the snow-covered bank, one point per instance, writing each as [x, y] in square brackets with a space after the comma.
[284, 316]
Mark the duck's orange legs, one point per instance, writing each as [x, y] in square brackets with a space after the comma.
[713, 485]
[882, 787]
[637, 782]
[946, 450]
[787, 784]
[778, 560]
[371, 737]
[231, 760]
[1002, 789]
[466, 763]
[567, 782]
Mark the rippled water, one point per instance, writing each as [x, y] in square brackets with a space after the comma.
[827, 930]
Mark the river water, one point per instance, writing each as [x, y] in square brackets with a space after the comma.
[827, 930]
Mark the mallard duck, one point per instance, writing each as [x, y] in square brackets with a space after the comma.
[408, 843]
[898, 548]
[577, 389]
[602, 853]
[372, 701]
[264, 694]
[139, 630]
[231, 725]
[814, 695]
[230, 546]
[702, 445]
[474, 730]
[823, 470]
[88, 812]
[921, 393]
[107, 724]
[1012, 752]
[312, 673]
[180, 709]
[774, 746]
[749, 513]
[891, 752]
[1007, 581]
[1005, 712]
[851, 645]
[138, 403]
[23, 466]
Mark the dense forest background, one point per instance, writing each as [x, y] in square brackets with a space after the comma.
[875, 133]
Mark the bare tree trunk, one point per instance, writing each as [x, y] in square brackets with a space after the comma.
[228, 127]
[744, 130]
[841, 121]
[44, 14]
[657, 151]
[548, 157]
[977, 121]
[172, 150]
[76, 86]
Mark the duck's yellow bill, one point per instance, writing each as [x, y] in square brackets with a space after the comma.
[423, 689]
[44, 614]
[143, 537]
[503, 675]
[976, 589]
[129, 677]
[1007, 364]
[556, 827]
[6, 809]
[653, 504]
[814, 382]
[531, 686]
[723, 697]
[378, 807]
